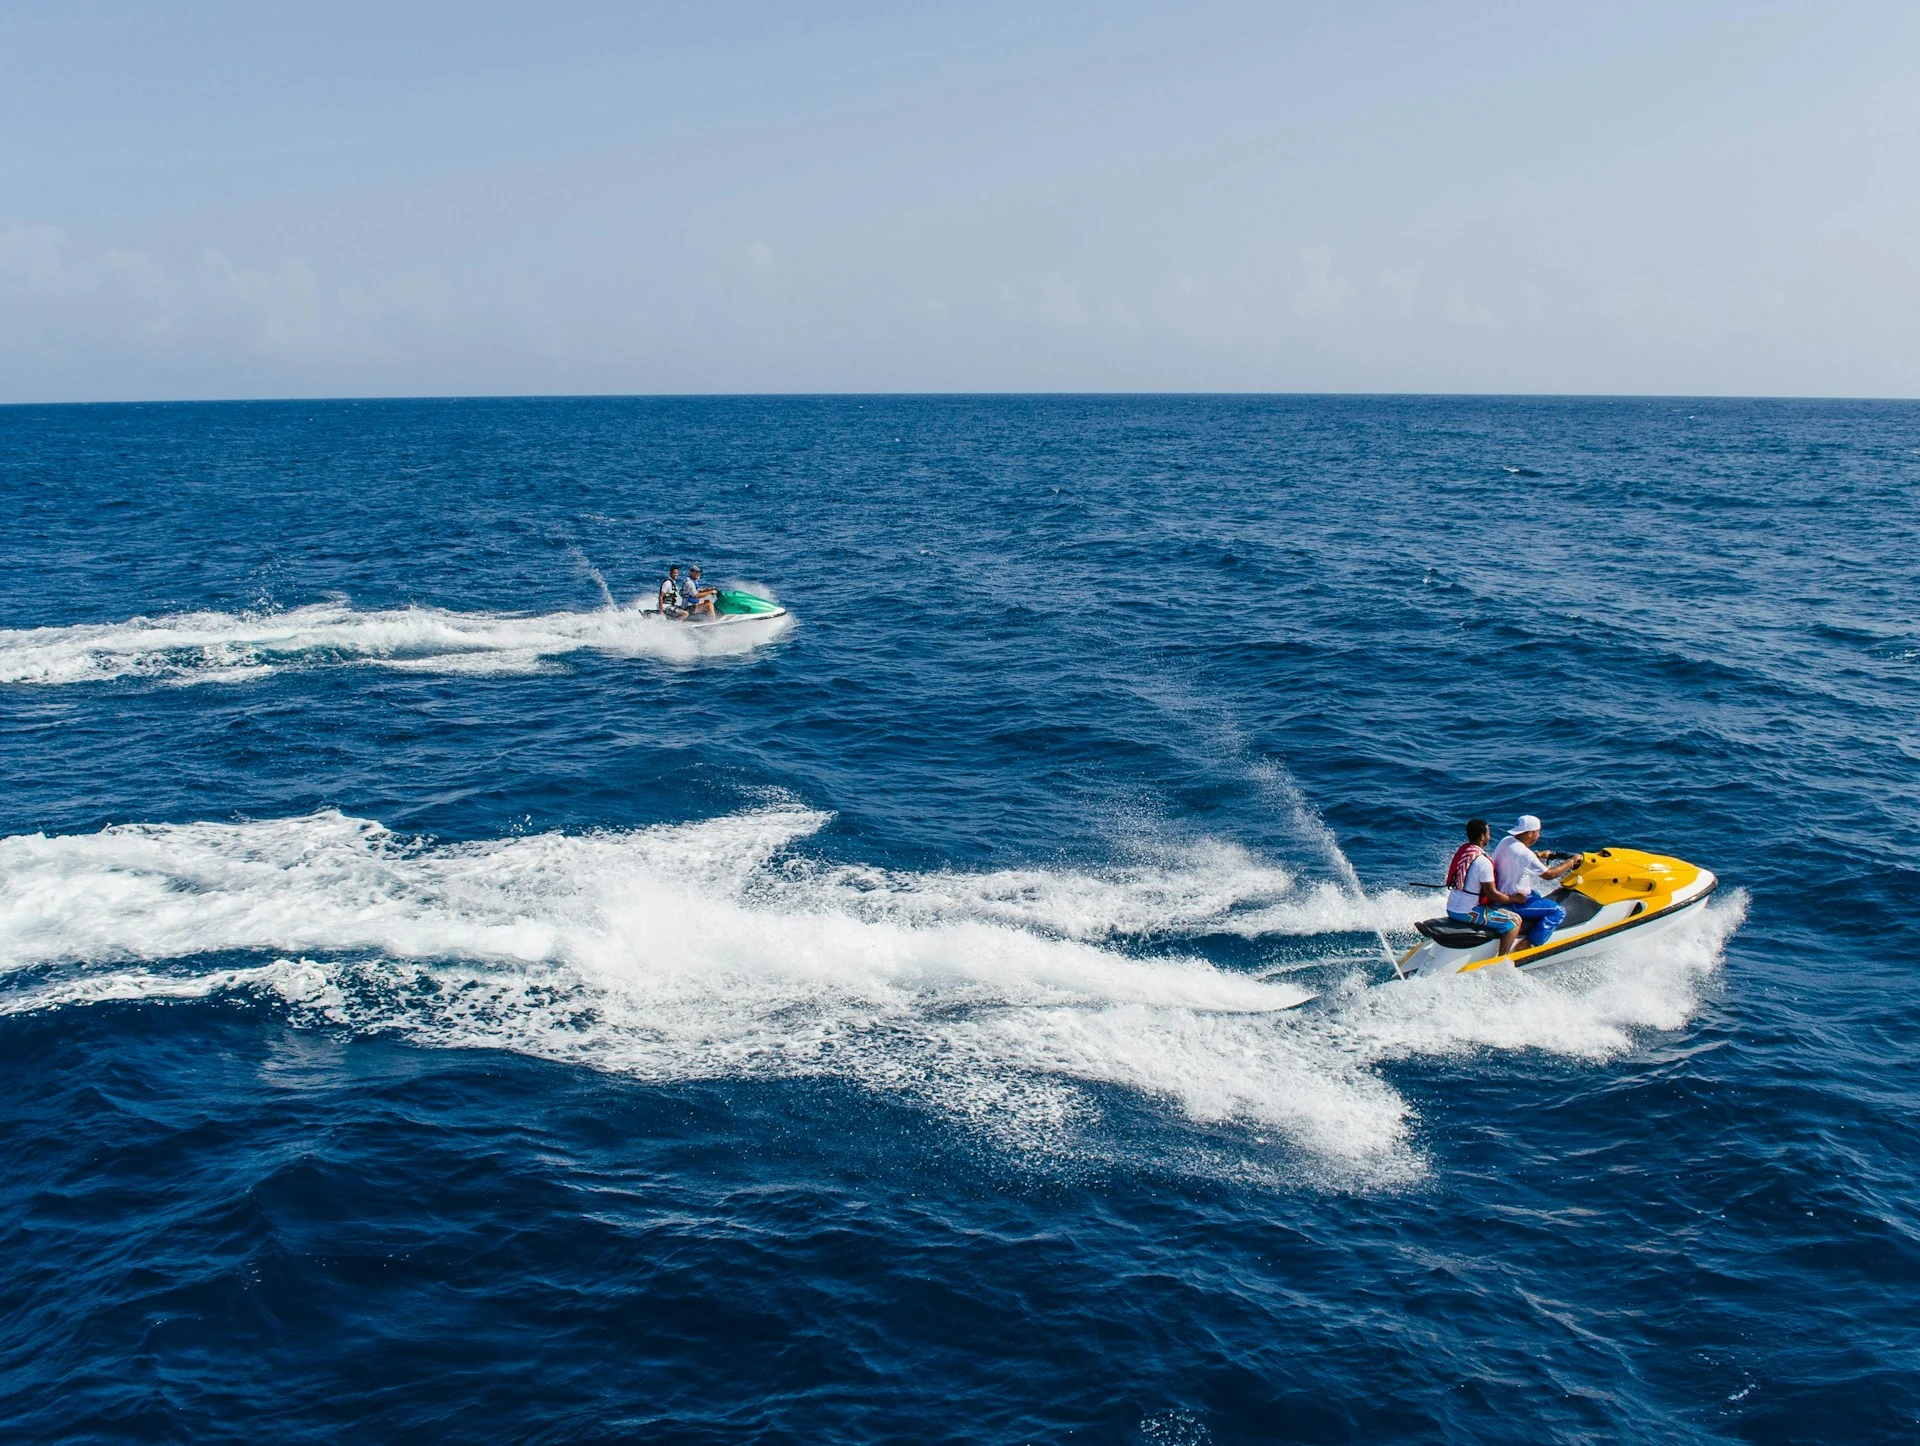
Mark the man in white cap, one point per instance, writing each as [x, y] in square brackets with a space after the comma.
[1515, 868]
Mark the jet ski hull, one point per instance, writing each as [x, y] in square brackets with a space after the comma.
[1613, 897]
[725, 620]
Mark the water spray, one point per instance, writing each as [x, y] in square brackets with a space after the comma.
[1275, 777]
[575, 551]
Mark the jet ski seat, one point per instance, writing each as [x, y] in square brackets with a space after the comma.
[1451, 935]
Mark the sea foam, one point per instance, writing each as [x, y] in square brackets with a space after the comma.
[219, 647]
[718, 949]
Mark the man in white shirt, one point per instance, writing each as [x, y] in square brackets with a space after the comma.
[1516, 867]
[1472, 895]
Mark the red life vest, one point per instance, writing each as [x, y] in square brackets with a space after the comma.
[1463, 858]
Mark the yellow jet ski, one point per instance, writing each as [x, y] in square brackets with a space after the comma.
[1613, 896]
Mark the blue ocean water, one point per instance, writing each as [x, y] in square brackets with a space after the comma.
[436, 1004]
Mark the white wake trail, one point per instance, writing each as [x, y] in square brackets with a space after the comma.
[717, 949]
[218, 647]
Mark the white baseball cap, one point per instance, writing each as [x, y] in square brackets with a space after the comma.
[1526, 823]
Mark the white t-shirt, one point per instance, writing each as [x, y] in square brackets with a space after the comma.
[1516, 867]
[1465, 901]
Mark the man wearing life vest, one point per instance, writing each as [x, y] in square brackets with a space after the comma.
[671, 588]
[1515, 868]
[1473, 896]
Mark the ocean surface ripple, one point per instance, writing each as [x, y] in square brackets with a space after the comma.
[439, 1001]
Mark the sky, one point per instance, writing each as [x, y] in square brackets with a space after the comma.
[410, 199]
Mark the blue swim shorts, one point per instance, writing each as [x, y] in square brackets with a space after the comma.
[1501, 921]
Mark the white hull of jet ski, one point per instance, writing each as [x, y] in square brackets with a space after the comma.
[725, 620]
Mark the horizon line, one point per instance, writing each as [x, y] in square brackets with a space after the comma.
[930, 395]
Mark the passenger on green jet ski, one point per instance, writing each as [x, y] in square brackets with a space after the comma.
[671, 594]
[669, 599]
[1515, 868]
[1473, 896]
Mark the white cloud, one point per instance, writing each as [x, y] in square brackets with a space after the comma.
[1402, 283]
[1324, 292]
[1462, 311]
[126, 313]
[1061, 308]
[33, 263]
[145, 283]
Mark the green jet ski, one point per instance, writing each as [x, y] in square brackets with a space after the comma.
[733, 607]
